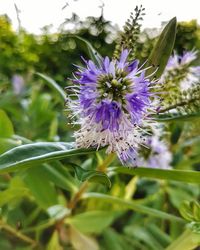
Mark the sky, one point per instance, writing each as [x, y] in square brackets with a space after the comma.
[35, 14]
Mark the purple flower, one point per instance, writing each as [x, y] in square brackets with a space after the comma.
[18, 84]
[114, 103]
[185, 59]
[160, 156]
[180, 65]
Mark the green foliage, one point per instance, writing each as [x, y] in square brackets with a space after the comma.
[176, 175]
[94, 55]
[6, 127]
[190, 211]
[51, 54]
[183, 104]
[92, 221]
[187, 36]
[41, 152]
[56, 197]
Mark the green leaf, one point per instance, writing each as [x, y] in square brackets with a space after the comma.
[176, 130]
[40, 187]
[176, 196]
[54, 85]
[162, 50]
[92, 221]
[54, 243]
[80, 241]
[142, 234]
[94, 55]
[60, 176]
[163, 174]
[8, 143]
[133, 206]
[5, 244]
[91, 175]
[113, 240]
[6, 127]
[188, 240]
[37, 153]
[176, 117]
[16, 191]
[190, 210]
[158, 233]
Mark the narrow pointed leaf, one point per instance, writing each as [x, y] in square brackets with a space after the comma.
[41, 188]
[92, 221]
[94, 55]
[188, 240]
[53, 84]
[162, 50]
[163, 174]
[177, 117]
[36, 153]
[60, 176]
[132, 205]
[6, 127]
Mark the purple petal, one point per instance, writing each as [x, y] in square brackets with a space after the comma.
[122, 61]
[133, 66]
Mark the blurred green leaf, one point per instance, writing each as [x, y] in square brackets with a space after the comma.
[92, 221]
[176, 132]
[195, 227]
[190, 210]
[132, 205]
[60, 176]
[8, 143]
[54, 85]
[163, 174]
[80, 241]
[177, 195]
[6, 127]
[131, 188]
[5, 243]
[162, 50]
[37, 153]
[15, 192]
[141, 233]
[54, 243]
[94, 55]
[113, 240]
[176, 117]
[158, 233]
[91, 176]
[41, 188]
[186, 241]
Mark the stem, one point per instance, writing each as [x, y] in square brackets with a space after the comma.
[40, 226]
[17, 234]
[109, 159]
[7, 176]
[187, 241]
[176, 105]
[78, 195]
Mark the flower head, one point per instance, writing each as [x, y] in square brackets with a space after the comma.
[180, 67]
[114, 103]
[160, 156]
